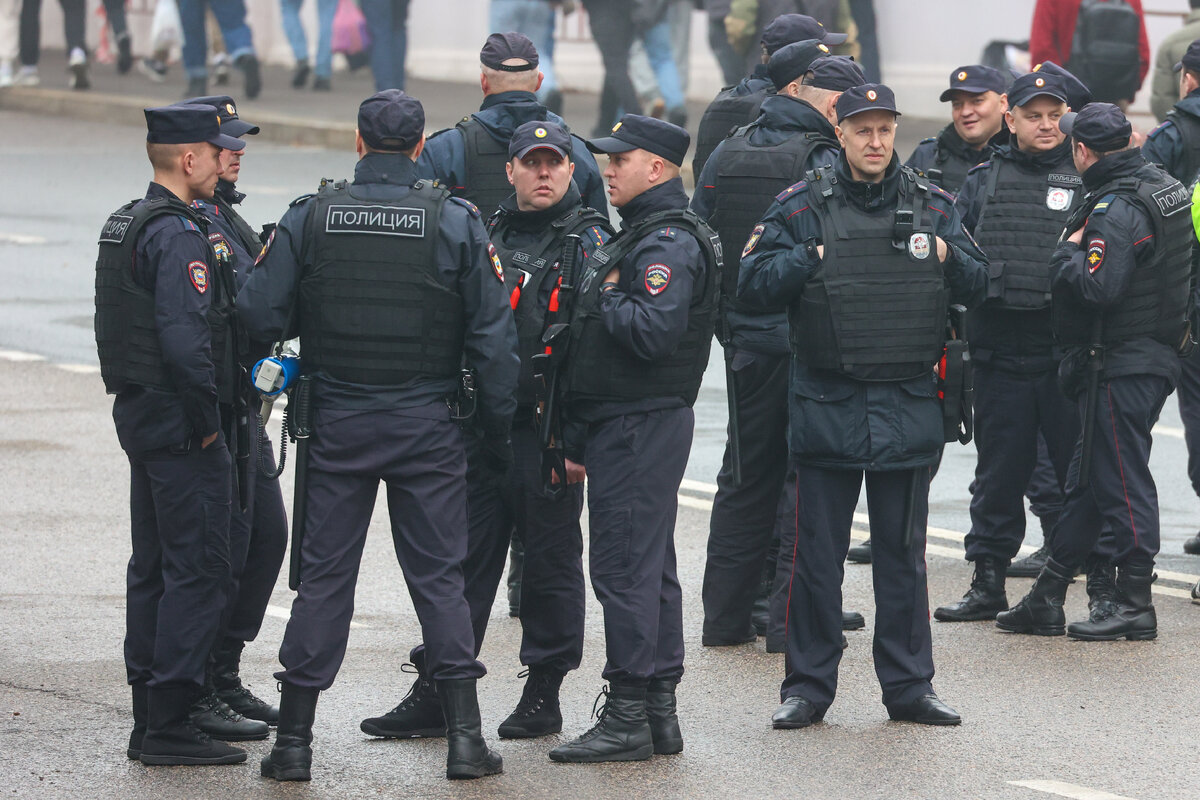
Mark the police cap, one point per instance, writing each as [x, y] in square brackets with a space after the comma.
[227, 111]
[1191, 58]
[538, 135]
[1035, 84]
[391, 121]
[790, 62]
[975, 79]
[635, 131]
[835, 73]
[1078, 95]
[501, 47]
[788, 28]
[1101, 126]
[187, 124]
[867, 97]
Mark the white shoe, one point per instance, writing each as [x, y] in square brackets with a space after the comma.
[77, 66]
[27, 76]
[6, 74]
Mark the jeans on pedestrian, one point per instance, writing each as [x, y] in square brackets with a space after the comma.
[294, 30]
[387, 21]
[535, 19]
[231, 17]
[657, 42]
[31, 28]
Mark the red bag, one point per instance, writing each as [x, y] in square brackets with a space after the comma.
[350, 34]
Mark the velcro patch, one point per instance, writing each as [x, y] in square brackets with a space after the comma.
[115, 228]
[1095, 254]
[376, 220]
[658, 277]
[755, 235]
[198, 273]
[497, 267]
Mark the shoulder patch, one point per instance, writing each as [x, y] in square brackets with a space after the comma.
[471, 208]
[266, 247]
[942, 193]
[658, 277]
[1102, 206]
[1159, 127]
[667, 234]
[1095, 254]
[755, 235]
[497, 267]
[791, 190]
[198, 274]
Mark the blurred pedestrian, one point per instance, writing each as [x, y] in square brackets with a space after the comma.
[10, 24]
[670, 39]
[74, 32]
[863, 12]
[1110, 54]
[239, 41]
[387, 20]
[292, 27]
[535, 19]
[1164, 86]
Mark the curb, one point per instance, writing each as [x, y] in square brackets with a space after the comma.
[127, 110]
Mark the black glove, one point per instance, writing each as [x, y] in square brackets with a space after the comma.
[498, 453]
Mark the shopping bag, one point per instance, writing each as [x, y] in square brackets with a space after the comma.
[350, 34]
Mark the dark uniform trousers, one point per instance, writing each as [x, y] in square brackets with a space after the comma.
[1011, 408]
[1045, 491]
[1189, 412]
[552, 589]
[419, 453]
[826, 499]
[258, 540]
[635, 463]
[180, 567]
[1120, 492]
[743, 518]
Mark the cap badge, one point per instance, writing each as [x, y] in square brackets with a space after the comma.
[871, 95]
[616, 127]
[823, 48]
[540, 133]
[229, 108]
[962, 76]
[1040, 82]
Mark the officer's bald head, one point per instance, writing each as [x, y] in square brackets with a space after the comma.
[495, 81]
[165, 157]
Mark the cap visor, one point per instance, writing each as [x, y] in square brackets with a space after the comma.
[610, 144]
[1060, 96]
[540, 146]
[967, 88]
[227, 142]
[835, 38]
[1178, 66]
[1067, 122]
[238, 127]
[869, 108]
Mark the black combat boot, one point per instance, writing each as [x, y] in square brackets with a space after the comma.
[984, 599]
[419, 713]
[211, 715]
[860, 553]
[469, 756]
[1191, 545]
[516, 567]
[660, 713]
[1041, 611]
[1101, 588]
[1031, 565]
[140, 701]
[1133, 617]
[537, 713]
[621, 732]
[224, 666]
[173, 739]
[291, 757]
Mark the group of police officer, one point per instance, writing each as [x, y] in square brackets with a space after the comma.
[483, 362]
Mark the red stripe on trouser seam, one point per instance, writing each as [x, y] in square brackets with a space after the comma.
[787, 614]
[1120, 466]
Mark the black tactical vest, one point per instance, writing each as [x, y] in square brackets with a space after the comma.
[600, 368]
[526, 271]
[727, 112]
[372, 310]
[247, 236]
[1189, 129]
[126, 334]
[949, 169]
[1022, 218]
[486, 180]
[875, 309]
[748, 179]
[1155, 304]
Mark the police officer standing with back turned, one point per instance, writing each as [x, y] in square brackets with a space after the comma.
[641, 329]
[164, 336]
[792, 135]
[469, 158]
[258, 535]
[1016, 204]
[529, 234]
[869, 256]
[1121, 302]
[389, 283]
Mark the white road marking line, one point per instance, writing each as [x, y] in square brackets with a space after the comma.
[21, 238]
[286, 614]
[82, 369]
[17, 355]
[1071, 790]
[1167, 430]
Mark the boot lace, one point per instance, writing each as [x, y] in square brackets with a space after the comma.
[533, 695]
[246, 695]
[599, 712]
[421, 688]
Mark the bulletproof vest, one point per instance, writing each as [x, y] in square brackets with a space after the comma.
[748, 179]
[526, 272]
[600, 367]
[126, 334]
[875, 309]
[950, 169]
[1022, 218]
[724, 114]
[1188, 170]
[372, 310]
[1155, 304]
[486, 180]
[246, 235]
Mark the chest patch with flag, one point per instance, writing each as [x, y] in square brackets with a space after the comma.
[658, 277]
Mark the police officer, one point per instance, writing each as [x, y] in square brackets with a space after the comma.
[792, 135]
[738, 105]
[164, 333]
[529, 233]
[258, 535]
[977, 106]
[640, 334]
[1175, 146]
[388, 282]
[863, 401]
[469, 158]
[1121, 297]
[1016, 204]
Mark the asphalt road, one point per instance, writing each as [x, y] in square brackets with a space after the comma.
[1116, 719]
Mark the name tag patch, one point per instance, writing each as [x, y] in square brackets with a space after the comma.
[115, 229]
[376, 220]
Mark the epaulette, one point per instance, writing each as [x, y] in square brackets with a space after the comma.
[1102, 204]
[981, 165]
[667, 234]
[927, 140]
[471, 208]
[791, 190]
[301, 199]
[597, 234]
[942, 193]
[440, 132]
[1159, 127]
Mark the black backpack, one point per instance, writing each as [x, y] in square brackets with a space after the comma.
[1104, 52]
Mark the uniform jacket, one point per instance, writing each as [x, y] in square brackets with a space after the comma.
[1125, 235]
[837, 422]
[780, 118]
[924, 156]
[1165, 145]
[1164, 86]
[490, 344]
[444, 155]
[1053, 32]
